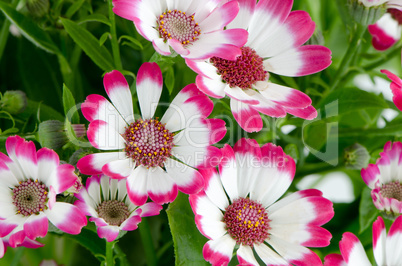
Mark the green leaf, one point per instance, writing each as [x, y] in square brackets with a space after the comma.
[188, 241]
[95, 17]
[99, 54]
[135, 44]
[70, 109]
[367, 211]
[351, 99]
[45, 112]
[74, 8]
[169, 79]
[91, 241]
[29, 29]
[103, 38]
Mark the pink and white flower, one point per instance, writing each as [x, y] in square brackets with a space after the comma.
[192, 28]
[385, 178]
[106, 201]
[275, 46]
[387, 248]
[396, 88]
[387, 30]
[157, 157]
[29, 183]
[240, 206]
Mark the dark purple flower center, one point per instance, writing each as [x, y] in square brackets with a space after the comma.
[396, 14]
[246, 222]
[242, 72]
[175, 24]
[114, 212]
[148, 142]
[392, 190]
[30, 197]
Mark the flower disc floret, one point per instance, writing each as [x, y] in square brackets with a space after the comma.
[178, 25]
[114, 212]
[246, 222]
[242, 72]
[148, 142]
[392, 190]
[30, 197]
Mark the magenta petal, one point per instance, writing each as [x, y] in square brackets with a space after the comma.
[6, 228]
[36, 226]
[17, 238]
[63, 178]
[108, 232]
[131, 223]
[248, 118]
[334, 260]
[150, 209]
[381, 40]
[67, 217]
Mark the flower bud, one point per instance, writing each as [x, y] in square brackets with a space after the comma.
[13, 102]
[51, 134]
[366, 12]
[356, 157]
[38, 8]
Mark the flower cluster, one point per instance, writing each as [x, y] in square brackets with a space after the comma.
[241, 196]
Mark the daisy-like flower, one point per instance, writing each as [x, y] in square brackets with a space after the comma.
[29, 183]
[192, 28]
[106, 201]
[396, 88]
[274, 45]
[387, 248]
[385, 178]
[157, 157]
[240, 206]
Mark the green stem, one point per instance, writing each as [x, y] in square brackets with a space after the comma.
[350, 53]
[109, 253]
[385, 57]
[115, 45]
[272, 121]
[146, 238]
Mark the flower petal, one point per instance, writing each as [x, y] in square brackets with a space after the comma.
[119, 93]
[187, 179]
[268, 256]
[379, 240]
[92, 164]
[394, 243]
[300, 61]
[137, 185]
[62, 178]
[213, 188]
[385, 32]
[149, 88]
[96, 107]
[108, 232]
[119, 169]
[67, 217]
[248, 118]
[220, 17]
[36, 226]
[104, 136]
[352, 250]
[160, 186]
[219, 251]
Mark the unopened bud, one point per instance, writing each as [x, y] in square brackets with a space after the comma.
[38, 8]
[366, 12]
[356, 157]
[13, 102]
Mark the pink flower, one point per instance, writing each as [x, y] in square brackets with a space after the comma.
[387, 248]
[396, 88]
[385, 178]
[192, 28]
[157, 156]
[387, 30]
[29, 183]
[106, 201]
[240, 206]
[274, 45]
